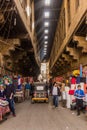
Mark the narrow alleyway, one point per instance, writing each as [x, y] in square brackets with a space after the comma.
[41, 116]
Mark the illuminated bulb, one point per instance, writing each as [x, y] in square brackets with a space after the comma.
[86, 37]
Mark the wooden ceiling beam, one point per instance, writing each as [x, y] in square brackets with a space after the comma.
[81, 43]
[73, 52]
[66, 58]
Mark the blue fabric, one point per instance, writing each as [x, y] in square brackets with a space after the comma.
[27, 86]
[19, 86]
[2, 94]
[78, 80]
[55, 100]
[11, 105]
[79, 94]
[80, 70]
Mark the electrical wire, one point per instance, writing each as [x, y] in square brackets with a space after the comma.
[6, 8]
[10, 23]
[2, 4]
[5, 19]
[6, 26]
[10, 14]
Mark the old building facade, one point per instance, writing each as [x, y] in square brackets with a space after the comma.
[70, 44]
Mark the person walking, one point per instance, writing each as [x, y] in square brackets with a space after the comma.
[27, 90]
[79, 94]
[55, 93]
[9, 93]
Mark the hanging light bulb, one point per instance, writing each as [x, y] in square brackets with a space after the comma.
[14, 21]
[86, 37]
[86, 27]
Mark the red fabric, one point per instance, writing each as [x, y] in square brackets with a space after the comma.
[85, 88]
[73, 80]
[3, 111]
[71, 92]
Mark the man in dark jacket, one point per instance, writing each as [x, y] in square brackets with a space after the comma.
[55, 93]
[9, 93]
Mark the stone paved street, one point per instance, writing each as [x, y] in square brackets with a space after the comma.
[41, 116]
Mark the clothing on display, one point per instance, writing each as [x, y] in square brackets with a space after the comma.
[64, 95]
[67, 88]
[85, 88]
[73, 86]
[78, 80]
[71, 92]
[67, 100]
[73, 80]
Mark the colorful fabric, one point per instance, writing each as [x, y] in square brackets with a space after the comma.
[7, 77]
[3, 111]
[73, 80]
[78, 80]
[76, 73]
[71, 92]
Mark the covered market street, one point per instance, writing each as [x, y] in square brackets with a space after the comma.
[42, 116]
[43, 64]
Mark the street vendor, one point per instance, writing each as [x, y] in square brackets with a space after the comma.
[9, 93]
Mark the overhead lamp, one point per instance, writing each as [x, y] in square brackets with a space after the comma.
[46, 24]
[47, 2]
[33, 25]
[46, 14]
[45, 42]
[86, 37]
[46, 31]
[45, 45]
[45, 37]
[45, 49]
[15, 21]
[28, 10]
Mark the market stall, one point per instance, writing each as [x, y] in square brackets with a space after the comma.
[4, 109]
[19, 95]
